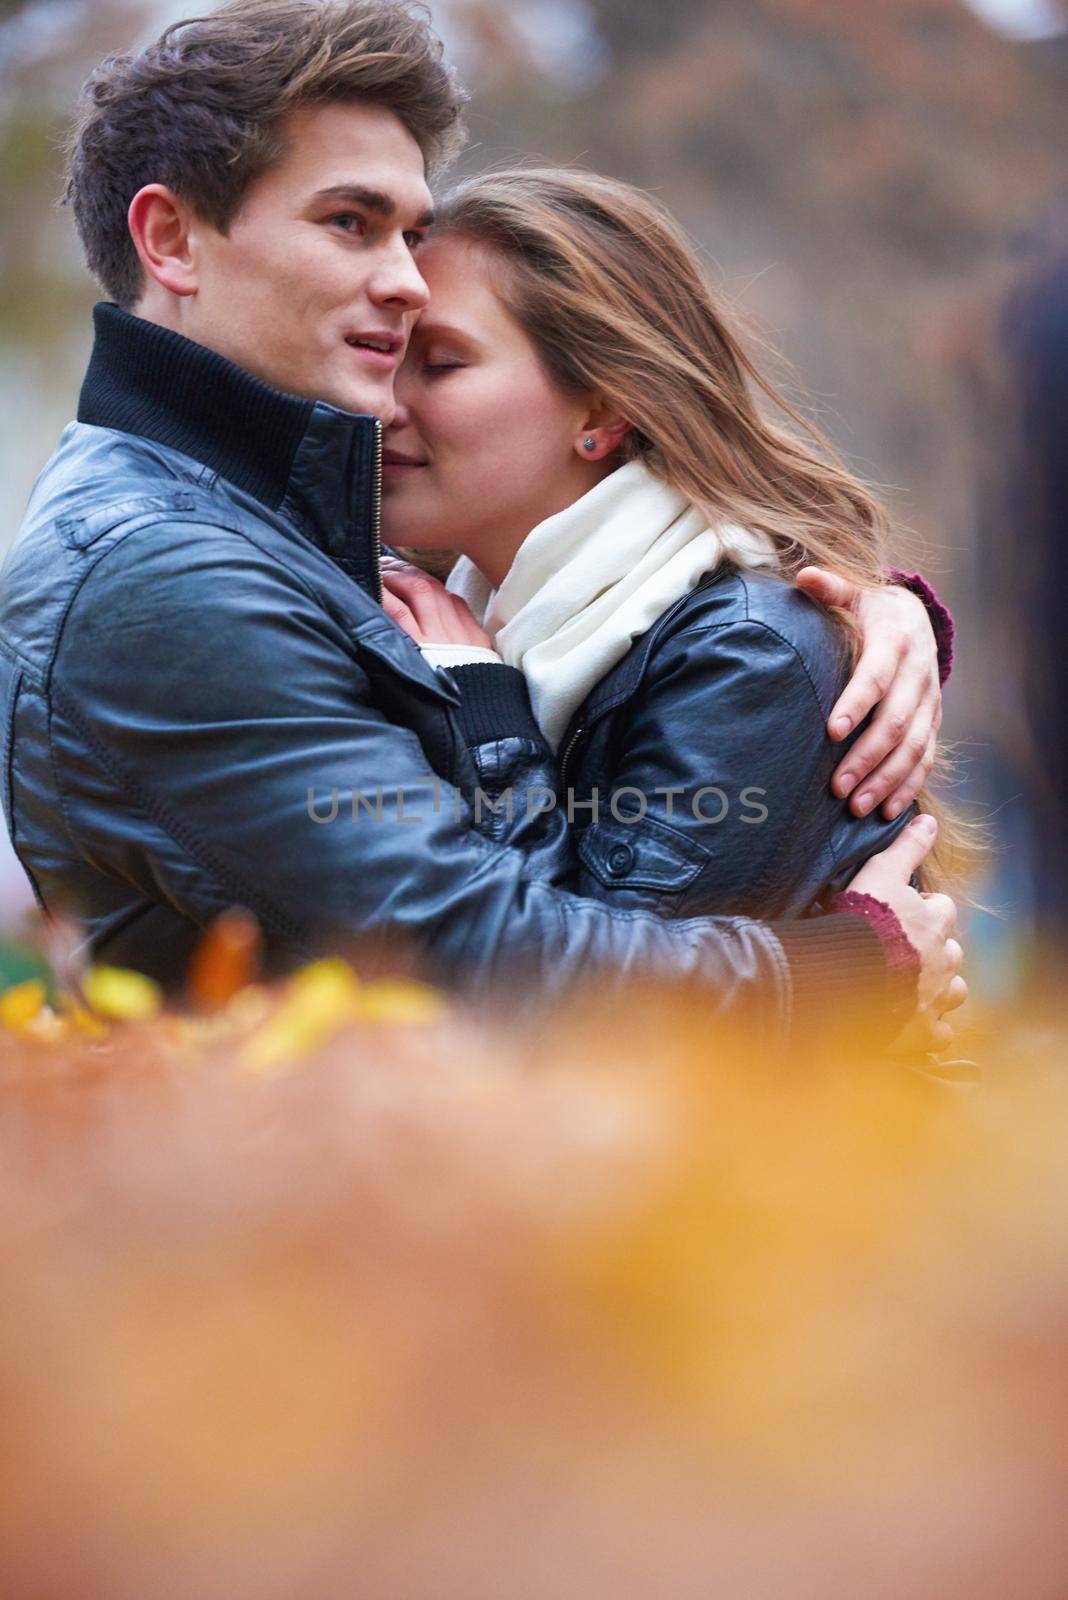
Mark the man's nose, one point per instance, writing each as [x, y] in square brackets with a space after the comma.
[398, 282]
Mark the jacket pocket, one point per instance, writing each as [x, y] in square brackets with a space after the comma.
[643, 854]
[387, 651]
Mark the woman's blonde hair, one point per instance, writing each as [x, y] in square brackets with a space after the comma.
[613, 297]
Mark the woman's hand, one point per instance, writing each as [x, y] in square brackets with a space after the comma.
[898, 672]
[928, 922]
[425, 609]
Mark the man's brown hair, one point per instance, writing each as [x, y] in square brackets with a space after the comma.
[201, 109]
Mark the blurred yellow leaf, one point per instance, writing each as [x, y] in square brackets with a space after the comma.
[80, 1019]
[123, 995]
[47, 1027]
[401, 1000]
[318, 1001]
[330, 982]
[19, 1006]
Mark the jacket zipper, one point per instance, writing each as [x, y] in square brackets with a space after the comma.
[581, 729]
[376, 513]
[565, 758]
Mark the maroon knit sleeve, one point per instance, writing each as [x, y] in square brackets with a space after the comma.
[902, 959]
[945, 629]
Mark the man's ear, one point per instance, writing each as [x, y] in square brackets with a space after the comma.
[161, 226]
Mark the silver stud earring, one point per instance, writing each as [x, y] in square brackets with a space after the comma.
[589, 444]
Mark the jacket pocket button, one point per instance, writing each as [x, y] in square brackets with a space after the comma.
[620, 860]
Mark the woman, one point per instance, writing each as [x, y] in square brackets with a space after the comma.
[578, 418]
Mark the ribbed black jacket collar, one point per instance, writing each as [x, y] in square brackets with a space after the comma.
[311, 460]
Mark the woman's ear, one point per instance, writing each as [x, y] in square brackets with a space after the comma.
[161, 226]
[602, 433]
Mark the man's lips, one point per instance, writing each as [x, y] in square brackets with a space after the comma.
[379, 349]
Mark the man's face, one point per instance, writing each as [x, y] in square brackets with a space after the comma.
[319, 260]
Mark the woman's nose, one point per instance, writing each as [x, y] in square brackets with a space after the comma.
[402, 417]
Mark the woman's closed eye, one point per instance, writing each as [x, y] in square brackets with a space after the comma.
[440, 358]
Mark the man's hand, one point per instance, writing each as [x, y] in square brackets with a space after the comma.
[425, 609]
[928, 921]
[898, 672]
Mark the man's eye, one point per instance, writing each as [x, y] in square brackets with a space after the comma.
[413, 238]
[349, 222]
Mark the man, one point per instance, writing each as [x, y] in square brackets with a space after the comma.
[193, 645]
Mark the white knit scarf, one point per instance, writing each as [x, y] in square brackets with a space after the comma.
[588, 582]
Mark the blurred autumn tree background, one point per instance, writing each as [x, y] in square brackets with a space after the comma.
[871, 183]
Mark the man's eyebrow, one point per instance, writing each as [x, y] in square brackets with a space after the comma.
[382, 205]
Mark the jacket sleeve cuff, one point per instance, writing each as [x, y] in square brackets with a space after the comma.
[945, 629]
[458, 655]
[494, 703]
[851, 962]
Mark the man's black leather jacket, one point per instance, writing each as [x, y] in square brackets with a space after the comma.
[194, 667]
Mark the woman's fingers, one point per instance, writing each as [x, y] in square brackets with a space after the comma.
[897, 634]
[393, 567]
[903, 797]
[875, 672]
[828, 587]
[884, 647]
[940, 1035]
[441, 617]
[905, 793]
[924, 1035]
[907, 766]
[944, 909]
[417, 611]
[893, 748]
[395, 607]
[955, 995]
[886, 875]
[428, 601]
[928, 922]
[944, 963]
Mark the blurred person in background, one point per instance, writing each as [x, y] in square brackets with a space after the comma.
[194, 647]
[1035, 329]
[578, 416]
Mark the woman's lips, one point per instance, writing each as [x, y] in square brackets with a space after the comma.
[394, 465]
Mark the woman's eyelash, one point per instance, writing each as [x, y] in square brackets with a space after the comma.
[442, 366]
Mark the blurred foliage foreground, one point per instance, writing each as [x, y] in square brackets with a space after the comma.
[333, 1288]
